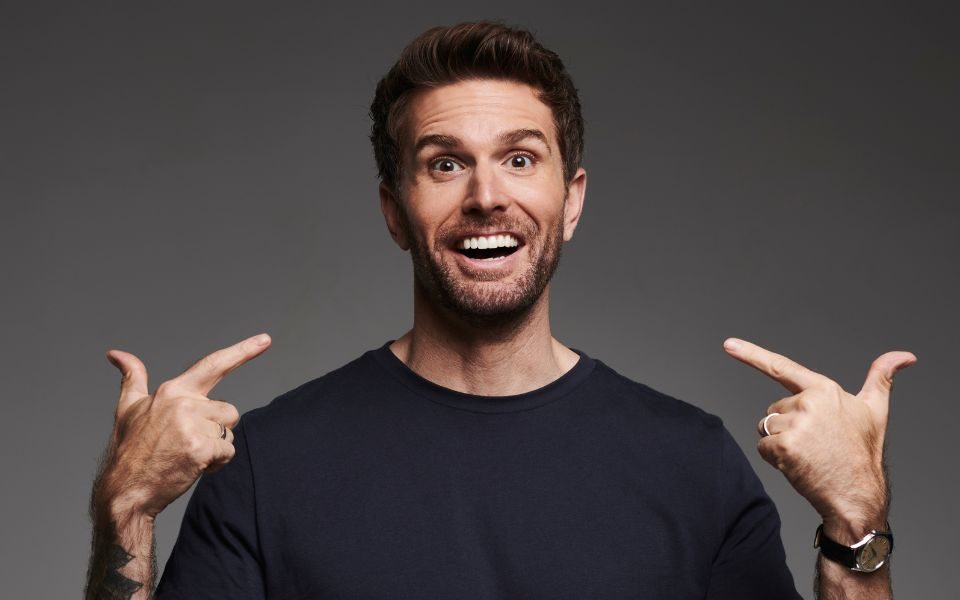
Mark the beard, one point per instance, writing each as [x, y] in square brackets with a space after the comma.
[475, 298]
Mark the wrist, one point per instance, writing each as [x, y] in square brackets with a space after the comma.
[850, 528]
[124, 511]
[116, 498]
[850, 523]
[863, 508]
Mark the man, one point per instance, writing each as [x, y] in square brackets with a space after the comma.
[477, 456]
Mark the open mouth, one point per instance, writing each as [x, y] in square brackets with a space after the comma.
[490, 247]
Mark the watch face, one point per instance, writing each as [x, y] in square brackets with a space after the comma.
[871, 555]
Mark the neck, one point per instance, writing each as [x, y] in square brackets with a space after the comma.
[489, 357]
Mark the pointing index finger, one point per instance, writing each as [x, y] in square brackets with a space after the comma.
[211, 369]
[793, 376]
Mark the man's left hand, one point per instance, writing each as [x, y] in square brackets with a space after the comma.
[826, 441]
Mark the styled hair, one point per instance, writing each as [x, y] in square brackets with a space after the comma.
[478, 50]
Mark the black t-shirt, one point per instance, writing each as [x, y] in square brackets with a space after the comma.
[372, 482]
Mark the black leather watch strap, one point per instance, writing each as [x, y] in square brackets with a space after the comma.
[848, 555]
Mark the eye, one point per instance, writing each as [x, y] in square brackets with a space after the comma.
[445, 165]
[521, 161]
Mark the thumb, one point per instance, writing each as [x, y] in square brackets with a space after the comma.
[879, 381]
[133, 386]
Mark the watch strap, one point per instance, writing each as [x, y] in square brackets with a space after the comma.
[847, 555]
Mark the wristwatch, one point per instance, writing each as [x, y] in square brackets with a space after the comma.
[866, 556]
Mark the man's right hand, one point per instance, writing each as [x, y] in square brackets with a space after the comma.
[163, 442]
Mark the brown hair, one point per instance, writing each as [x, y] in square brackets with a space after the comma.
[444, 55]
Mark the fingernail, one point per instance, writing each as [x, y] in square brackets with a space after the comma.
[731, 344]
[262, 339]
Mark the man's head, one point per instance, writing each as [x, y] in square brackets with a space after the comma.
[478, 138]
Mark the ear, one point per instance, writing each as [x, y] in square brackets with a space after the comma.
[390, 207]
[573, 206]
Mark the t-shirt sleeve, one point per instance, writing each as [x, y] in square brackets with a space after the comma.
[216, 554]
[751, 562]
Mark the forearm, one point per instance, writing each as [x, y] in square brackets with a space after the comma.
[122, 562]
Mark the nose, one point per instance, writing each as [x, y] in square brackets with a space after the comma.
[486, 192]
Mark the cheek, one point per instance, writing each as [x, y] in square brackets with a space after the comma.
[544, 204]
[421, 228]
[430, 206]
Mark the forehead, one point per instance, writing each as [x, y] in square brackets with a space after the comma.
[476, 109]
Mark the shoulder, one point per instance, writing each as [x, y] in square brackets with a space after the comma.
[353, 381]
[652, 406]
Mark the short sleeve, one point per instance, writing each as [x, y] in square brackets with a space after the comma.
[750, 563]
[216, 554]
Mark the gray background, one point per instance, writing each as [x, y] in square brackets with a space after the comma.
[177, 176]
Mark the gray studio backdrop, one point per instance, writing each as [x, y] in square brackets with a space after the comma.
[179, 175]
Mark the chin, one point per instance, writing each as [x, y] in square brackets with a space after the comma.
[503, 302]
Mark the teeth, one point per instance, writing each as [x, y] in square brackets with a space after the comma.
[489, 242]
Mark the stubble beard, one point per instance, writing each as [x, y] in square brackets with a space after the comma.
[469, 298]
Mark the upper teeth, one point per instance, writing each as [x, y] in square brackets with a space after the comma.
[488, 242]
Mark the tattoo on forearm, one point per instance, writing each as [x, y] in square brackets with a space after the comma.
[104, 579]
[115, 585]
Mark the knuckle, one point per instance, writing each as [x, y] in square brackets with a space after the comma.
[195, 448]
[208, 363]
[836, 389]
[773, 448]
[779, 366]
[181, 407]
[829, 386]
[167, 389]
[780, 445]
[228, 452]
[784, 449]
[232, 415]
[765, 449]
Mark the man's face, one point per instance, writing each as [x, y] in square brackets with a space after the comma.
[483, 205]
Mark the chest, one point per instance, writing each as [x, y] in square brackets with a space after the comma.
[490, 517]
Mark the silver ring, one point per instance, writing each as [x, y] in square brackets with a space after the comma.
[223, 431]
[766, 431]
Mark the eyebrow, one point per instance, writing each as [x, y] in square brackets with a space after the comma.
[516, 136]
[507, 138]
[444, 141]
